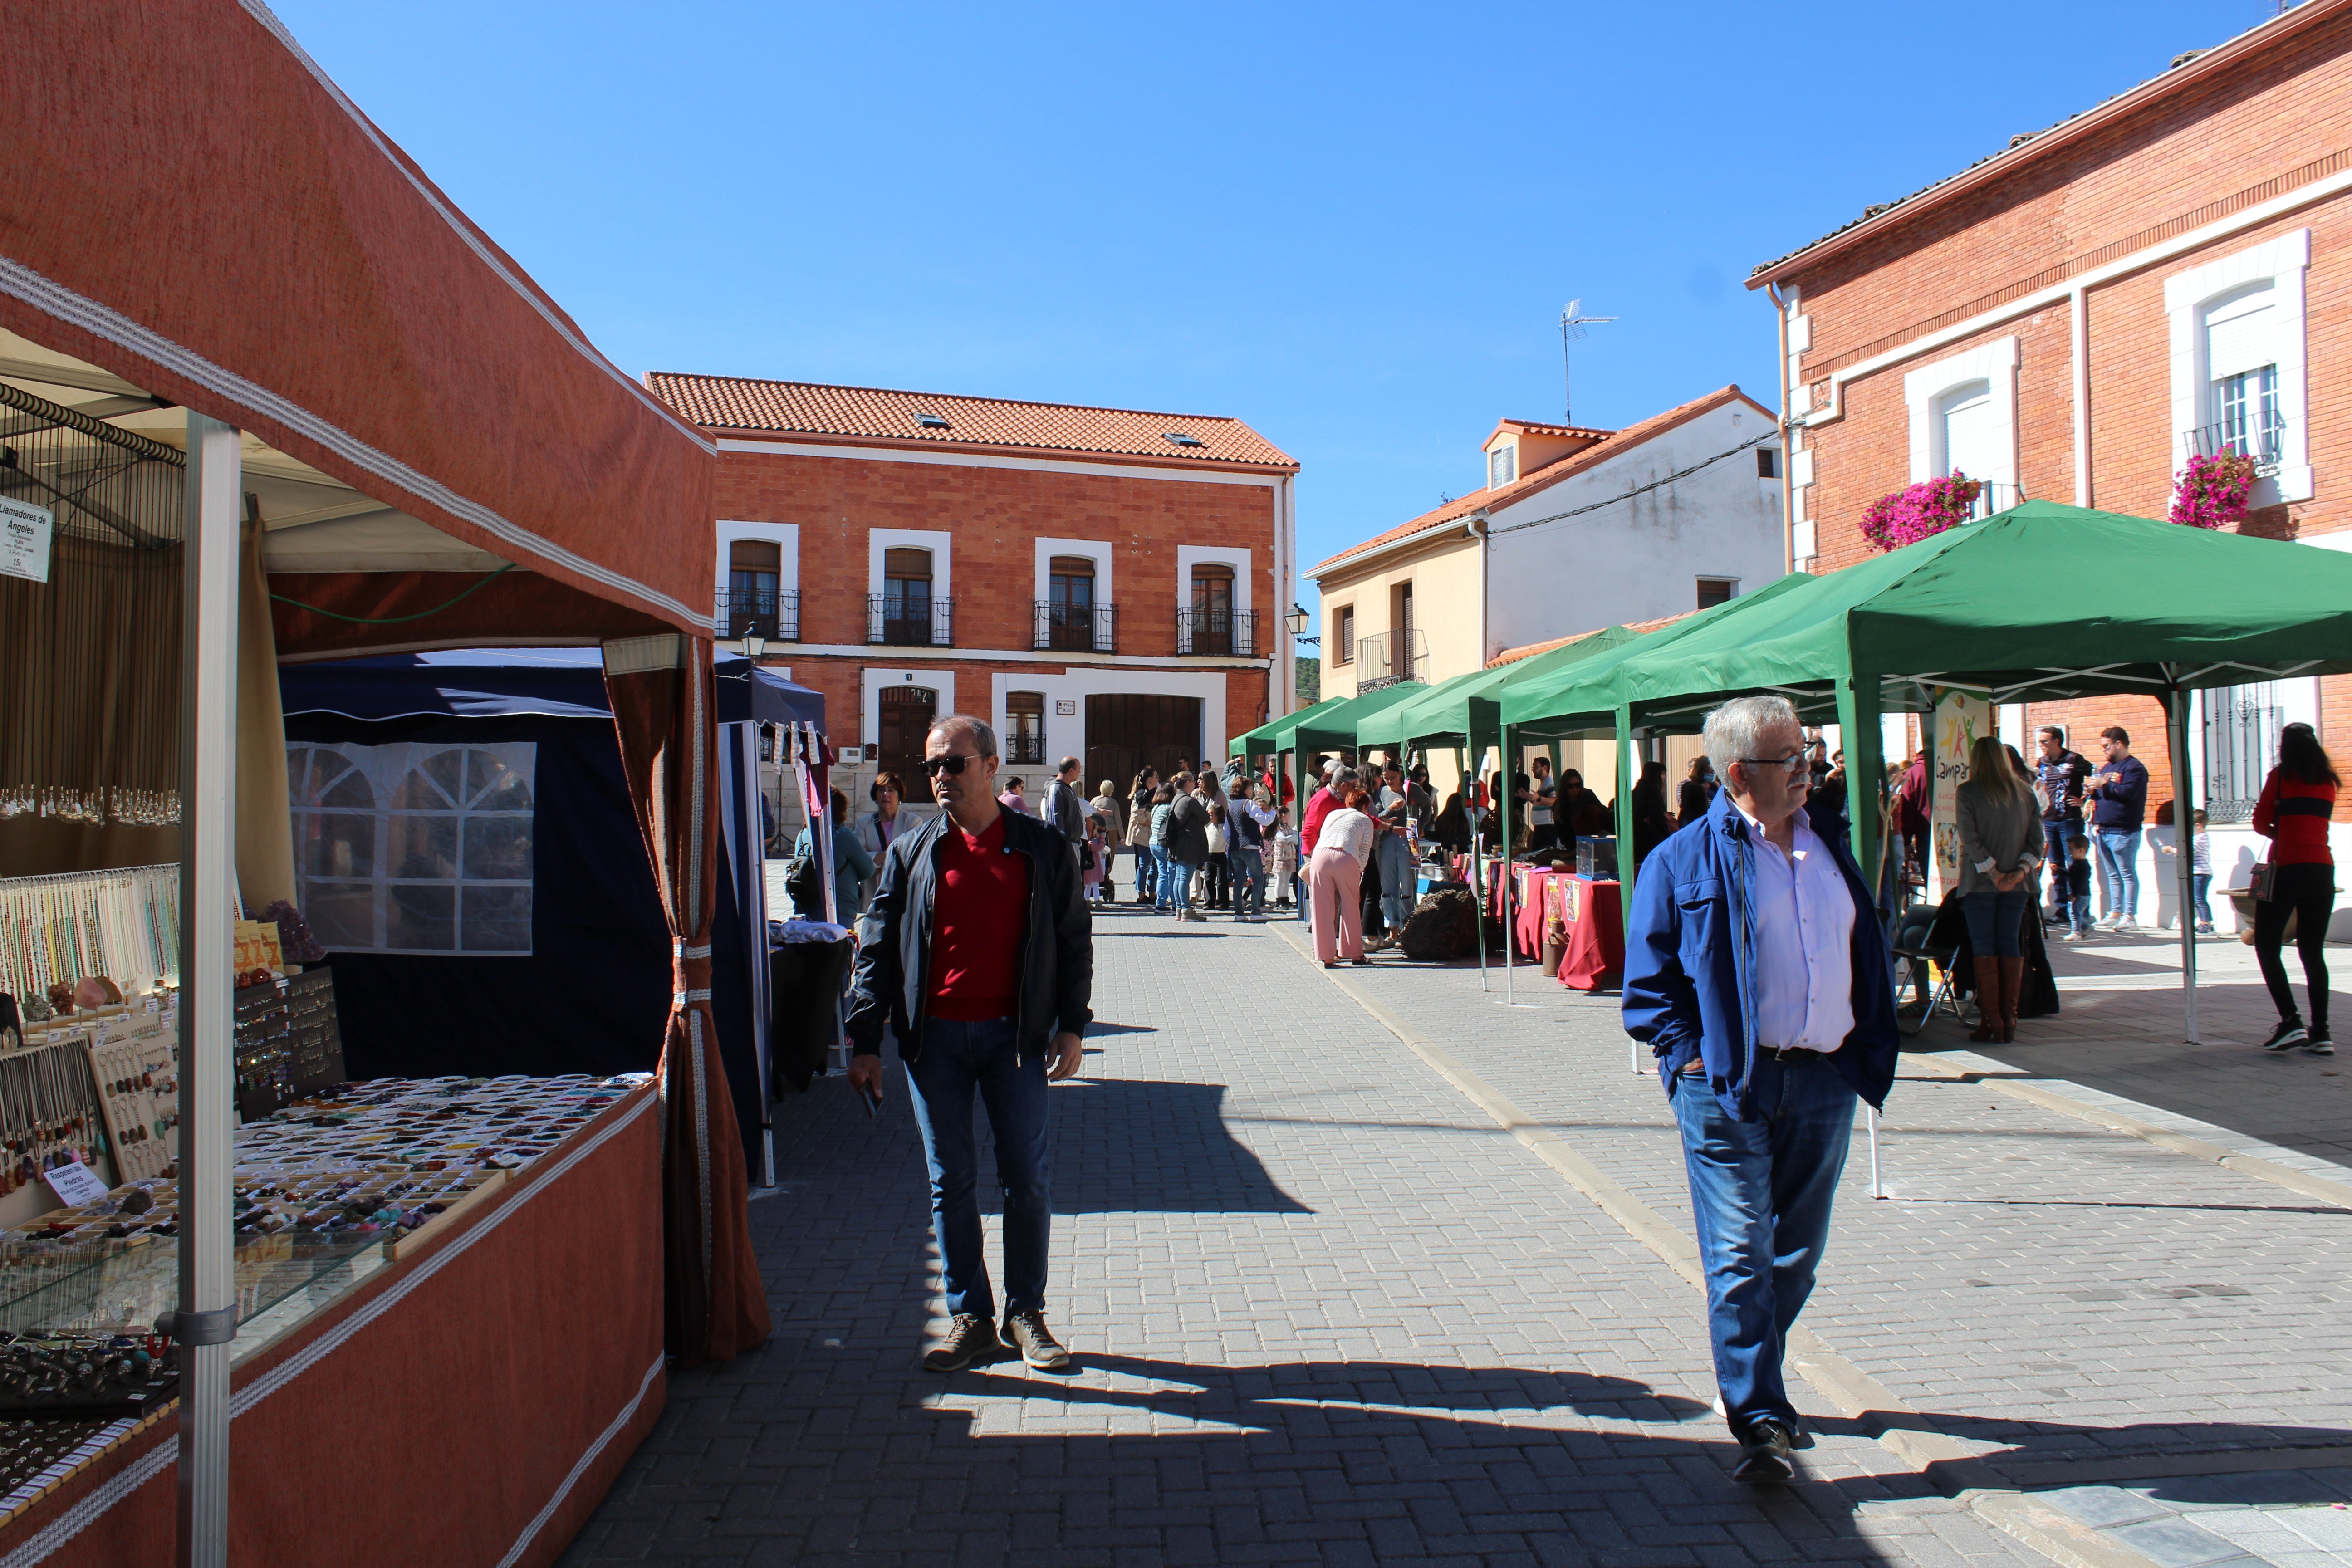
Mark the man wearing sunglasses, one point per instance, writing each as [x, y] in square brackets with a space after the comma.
[1755, 969]
[978, 952]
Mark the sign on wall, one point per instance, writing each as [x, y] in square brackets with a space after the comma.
[1960, 717]
[24, 540]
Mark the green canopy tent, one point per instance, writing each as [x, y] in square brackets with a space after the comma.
[1260, 741]
[2178, 610]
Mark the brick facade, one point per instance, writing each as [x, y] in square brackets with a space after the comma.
[2243, 147]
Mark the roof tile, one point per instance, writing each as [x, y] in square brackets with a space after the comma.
[873, 412]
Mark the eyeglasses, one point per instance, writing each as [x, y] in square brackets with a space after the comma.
[1795, 762]
[934, 766]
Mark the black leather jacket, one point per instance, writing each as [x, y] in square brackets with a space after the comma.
[1057, 958]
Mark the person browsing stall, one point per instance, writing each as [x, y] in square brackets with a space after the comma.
[1758, 973]
[2118, 794]
[977, 953]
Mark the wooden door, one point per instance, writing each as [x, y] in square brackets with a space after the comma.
[906, 720]
[1127, 732]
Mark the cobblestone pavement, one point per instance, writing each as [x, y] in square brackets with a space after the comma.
[1327, 1311]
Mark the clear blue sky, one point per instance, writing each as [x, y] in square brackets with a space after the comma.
[1352, 226]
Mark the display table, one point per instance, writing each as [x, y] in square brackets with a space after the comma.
[1593, 915]
[1536, 901]
[467, 1402]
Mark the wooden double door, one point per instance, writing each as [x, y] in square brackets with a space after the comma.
[904, 723]
[1129, 731]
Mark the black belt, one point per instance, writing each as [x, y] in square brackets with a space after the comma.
[1791, 1056]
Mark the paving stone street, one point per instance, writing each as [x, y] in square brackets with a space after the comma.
[1329, 1307]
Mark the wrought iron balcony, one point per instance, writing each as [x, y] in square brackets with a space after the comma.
[1389, 658]
[909, 623]
[2261, 436]
[747, 613]
[1994, 496]
[1026, 749]
[1076, 628]
[1218, 634]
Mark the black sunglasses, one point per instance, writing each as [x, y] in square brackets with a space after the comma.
[934, 766]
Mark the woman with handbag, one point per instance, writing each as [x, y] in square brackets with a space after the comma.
[2000, 824]
[2296, 802]
[1139, 835]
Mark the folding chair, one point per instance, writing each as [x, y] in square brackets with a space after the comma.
[1923, 937]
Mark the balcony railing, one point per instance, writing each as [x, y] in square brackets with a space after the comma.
[1388, 658]
[1993, 496]
[1076, 628]
[1218, 634]
[746, 613]
[2262, 436]
[1027, 749]
[909, 623]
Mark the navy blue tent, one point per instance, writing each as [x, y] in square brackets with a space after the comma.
[590, 993]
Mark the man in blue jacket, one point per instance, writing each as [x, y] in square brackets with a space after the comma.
[1757, 973]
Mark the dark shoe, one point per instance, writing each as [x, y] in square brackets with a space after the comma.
[2317, 1042]
[1329, 963]
[1194, 915]
[1027, 1332]
[1365, 963]
[2289, 1033]
[970, 1338]
[1764, 1454]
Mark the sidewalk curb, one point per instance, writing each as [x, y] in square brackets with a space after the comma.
[1892, 1424]
[2171, 1142]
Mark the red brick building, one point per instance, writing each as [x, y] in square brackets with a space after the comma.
[1098, 581]
[2071, 318]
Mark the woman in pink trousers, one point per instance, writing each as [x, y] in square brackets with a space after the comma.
[1335, 880]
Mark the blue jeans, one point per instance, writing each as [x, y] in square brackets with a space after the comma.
[1160, 875]
[958, 1058]
[1993, 919]
[1248, 864]
[2117, 852]
[1397, 892]
[1762, 1191]
[2199, 884]
[2058, 841]
[1176, 884]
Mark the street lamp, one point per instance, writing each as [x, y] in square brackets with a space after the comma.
[753, 647]
[1295, 622]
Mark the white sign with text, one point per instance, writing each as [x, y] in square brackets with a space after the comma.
[24, 540]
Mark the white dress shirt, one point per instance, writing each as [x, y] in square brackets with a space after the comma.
[1804, 944]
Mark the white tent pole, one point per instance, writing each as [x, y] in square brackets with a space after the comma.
[2184, 840]
[1877, 1183]
[205, 1321]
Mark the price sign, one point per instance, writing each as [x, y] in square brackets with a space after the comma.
[24, 540]
[75, 1185]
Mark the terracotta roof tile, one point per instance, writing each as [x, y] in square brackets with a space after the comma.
[873, 412]
[1543, 478]
[1639, 629]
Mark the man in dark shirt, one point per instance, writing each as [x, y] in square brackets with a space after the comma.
[1187, 843]
[2118, 794]
[2062, 775]
[978, 951]
[1065, 809]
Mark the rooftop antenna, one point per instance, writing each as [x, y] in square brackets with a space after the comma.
[1572, 329]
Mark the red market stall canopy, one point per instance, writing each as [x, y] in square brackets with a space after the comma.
[199, 211]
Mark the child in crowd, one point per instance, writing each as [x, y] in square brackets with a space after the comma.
[1098, 857]
[2078, 890]
[2200, 874]
[1216, 893]
[1282, 859]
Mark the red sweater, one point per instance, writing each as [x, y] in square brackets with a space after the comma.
[1319, 805]
[979, 914]
[2293, 816]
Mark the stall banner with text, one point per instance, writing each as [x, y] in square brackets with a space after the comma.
[24, 540]
[1960, 717]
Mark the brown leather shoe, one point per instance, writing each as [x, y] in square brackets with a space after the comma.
[1026, 1333]
[970, 1338]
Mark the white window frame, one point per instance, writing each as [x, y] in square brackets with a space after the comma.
[874, 678]
[1509, 451]
[1925, 389]
[1098, 551]
[2283, 262]
[879, 542]
[1191, 555]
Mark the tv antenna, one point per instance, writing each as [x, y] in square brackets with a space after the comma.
[1572, 329]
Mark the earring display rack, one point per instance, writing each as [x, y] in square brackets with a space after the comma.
[289, 1043]
[123, 924]
[50, 1113]
[137, 1070]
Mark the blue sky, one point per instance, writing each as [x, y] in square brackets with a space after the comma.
[1353, 228]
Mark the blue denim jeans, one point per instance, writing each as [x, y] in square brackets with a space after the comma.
[1248, 864]
[1160, 871]
[1176, 884]
[2199, 884]
[1762, 1191]
[2058, 841]
[957, 1059]
[1993, 919]
[2116, 850]
[1398, 894]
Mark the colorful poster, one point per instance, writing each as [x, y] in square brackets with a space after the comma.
[1961, 717]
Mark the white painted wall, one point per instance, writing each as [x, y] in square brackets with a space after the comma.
[1066, 733]
[1641, 558]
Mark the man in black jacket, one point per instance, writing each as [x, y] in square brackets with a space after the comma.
[1065, 810]
[978, 951]
[1187, 843]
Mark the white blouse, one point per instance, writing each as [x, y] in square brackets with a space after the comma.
[1348, 829]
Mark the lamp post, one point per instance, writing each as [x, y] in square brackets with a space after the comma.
[753, 647]
[1294, 623]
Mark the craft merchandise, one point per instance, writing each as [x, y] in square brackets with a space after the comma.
[57, 930]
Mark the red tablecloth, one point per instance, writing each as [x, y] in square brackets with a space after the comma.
[1593, 912]
[1530, 893]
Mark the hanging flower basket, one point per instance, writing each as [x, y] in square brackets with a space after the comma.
[1920, 511]
[2213, 491]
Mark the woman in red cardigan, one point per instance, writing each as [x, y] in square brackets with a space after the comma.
[2298, 800]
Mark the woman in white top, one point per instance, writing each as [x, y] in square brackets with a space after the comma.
[1335, 876]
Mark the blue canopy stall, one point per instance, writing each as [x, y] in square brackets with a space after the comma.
[468, 857]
